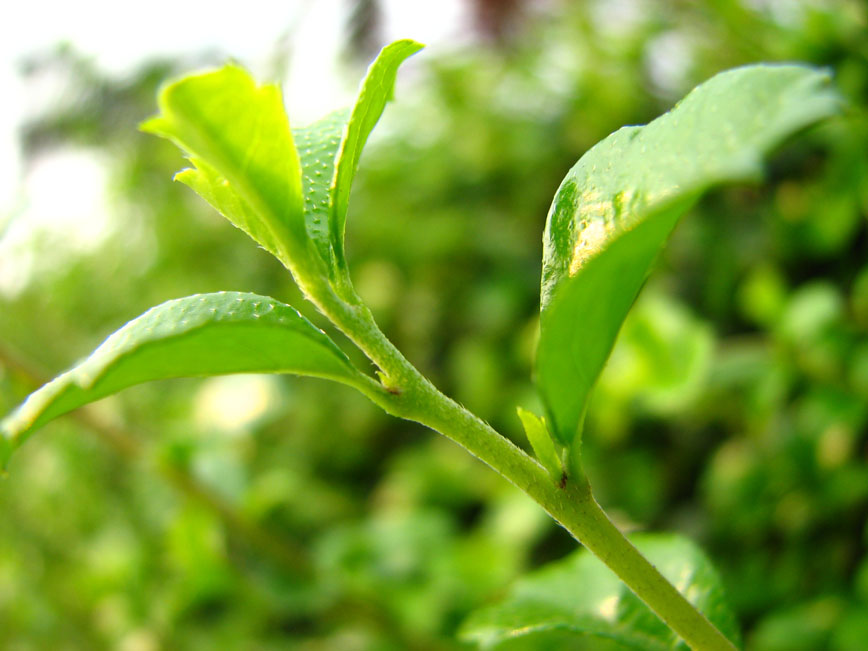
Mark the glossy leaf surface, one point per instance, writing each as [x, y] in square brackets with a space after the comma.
[237, 136]
[246, 165]
[201, 335]
[578, 603]
[375, 91]
[618, 204]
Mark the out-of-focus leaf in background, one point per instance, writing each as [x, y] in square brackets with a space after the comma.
[579, 603]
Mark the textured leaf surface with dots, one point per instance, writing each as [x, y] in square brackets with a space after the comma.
[318, 145]
[201, 335]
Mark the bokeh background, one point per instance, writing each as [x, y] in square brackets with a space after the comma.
[256, 512]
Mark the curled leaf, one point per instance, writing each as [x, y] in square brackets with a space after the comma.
[618, 204]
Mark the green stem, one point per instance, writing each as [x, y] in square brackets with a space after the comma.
[408, 394]
[575, 508]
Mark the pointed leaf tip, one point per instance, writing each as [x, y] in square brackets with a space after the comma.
[375, 91]
[236, 133]
[196, 336]
[329, 150]
[541, 441]
[618, 204]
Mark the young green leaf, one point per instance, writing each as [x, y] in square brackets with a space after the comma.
[578, 603]
[618, 204]
[318, 145]
[246, 165]
[330, 149]
[541, 442]
[237, 136]
[206, 334]
[376, 90]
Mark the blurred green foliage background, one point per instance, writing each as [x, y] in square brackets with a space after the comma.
[269, 512]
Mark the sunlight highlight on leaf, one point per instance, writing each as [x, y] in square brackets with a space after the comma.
[618, 204]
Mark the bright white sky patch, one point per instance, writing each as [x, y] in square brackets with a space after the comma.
[232, 404]
[65, 211]
[431, 23]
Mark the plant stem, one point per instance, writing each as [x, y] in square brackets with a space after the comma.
[575, 508]
[408, 394]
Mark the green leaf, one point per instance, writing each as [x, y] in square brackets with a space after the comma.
[541, 441]
[237, 136]
[330, 150]
[376, 89]
[616, 207]
[318, 145]
[246, 165]
[205, 334]
[578, 603]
